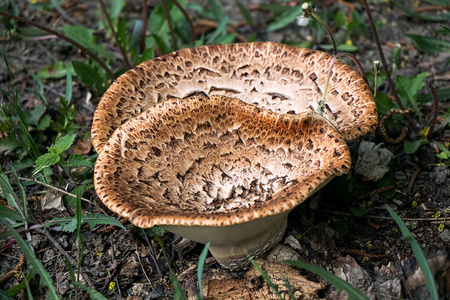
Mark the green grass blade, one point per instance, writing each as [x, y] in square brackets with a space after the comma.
[266, 278]
[340, 284]
[201, 265]
[22, 195]
[10, 195]
[68, 84]
[38, 268]
[93, 294]
[429, 278]
[19, 111]
[9, 213]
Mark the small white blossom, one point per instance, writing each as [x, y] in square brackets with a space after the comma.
[303, 21]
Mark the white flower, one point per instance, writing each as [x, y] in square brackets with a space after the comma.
[303, 21]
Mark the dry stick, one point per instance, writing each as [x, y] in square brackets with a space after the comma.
[64, 37]
[186, 16]
[54, 188]
[382, 218]
[108, 20]
[144, 25]
[169, 21]
[435, 110]
[63, 14]
[153, 256]
[385, 67]
[71, 260]
[412, 180]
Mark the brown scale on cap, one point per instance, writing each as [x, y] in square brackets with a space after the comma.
[215, 162]
[273, 76]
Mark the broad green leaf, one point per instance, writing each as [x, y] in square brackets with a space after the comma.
[9, 144]
[78, 160]
[46, 160]
[387, 180]
[412, 147]
[384, 103]
[43, 123]
[6, 212]
[156, 231]
[357, 211]
[55, 71]
[429, 45]
[91, 75]
[70, 201]
[63, 143]
[339, 225]
[285, 18]
[35, 115]
[148, 54]
[116, 8]
[340, 284]
[421, 260]
[407, 89]
[38, 268]
[441, 94]
[85, 36]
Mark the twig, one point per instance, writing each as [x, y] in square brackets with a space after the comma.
[71, 260]
[169, 21]
[54, 188]
[435, 110]
[142, 267]
[144, 25]
[186, 16]
[385, 67]
[63, 13]
[64, 37]
[383, 129]
[412, 180]
[153, 253]
[380, 217]
[431, 8]
[116, 38]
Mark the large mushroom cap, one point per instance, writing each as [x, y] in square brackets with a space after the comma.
[273, 76]
[215, 162]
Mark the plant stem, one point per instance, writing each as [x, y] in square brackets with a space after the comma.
[144, 25]
[169, 21]
[116, 38]
[63, 37]
[385, 67]
[316, 16]
[330, 67]
[186, 16]
[435, 110]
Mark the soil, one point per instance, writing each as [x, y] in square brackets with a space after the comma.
[368, 251]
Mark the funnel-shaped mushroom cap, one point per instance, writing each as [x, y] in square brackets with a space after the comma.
[273, 76]
[215, 162]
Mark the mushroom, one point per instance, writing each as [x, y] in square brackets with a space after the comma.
[282, 78]
[216, 169]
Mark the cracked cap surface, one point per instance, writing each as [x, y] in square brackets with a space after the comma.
[274, 76]
[215, 162]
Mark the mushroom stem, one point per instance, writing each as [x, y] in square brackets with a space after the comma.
[233, 246]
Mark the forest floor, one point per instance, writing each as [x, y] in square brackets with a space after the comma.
[365, 249]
